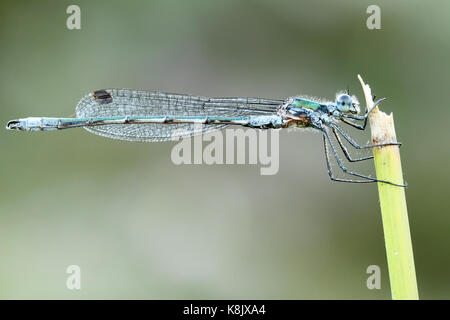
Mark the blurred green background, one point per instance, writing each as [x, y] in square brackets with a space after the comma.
[140, 226]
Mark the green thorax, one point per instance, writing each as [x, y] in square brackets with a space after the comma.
[305, 103]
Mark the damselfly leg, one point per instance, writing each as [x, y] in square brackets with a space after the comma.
[356, 145]
[344, 149]
[327, 141]
[330, 171]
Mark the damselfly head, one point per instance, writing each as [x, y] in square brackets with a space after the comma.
[347, 104]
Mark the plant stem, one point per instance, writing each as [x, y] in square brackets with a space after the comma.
[394, 213]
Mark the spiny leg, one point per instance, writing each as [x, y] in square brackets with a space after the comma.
[338, 160]
[357, 146]
[344, 149]
[343, 168]
[330, 172]
[354, 125]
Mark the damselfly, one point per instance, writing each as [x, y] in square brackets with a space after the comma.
[137, 115]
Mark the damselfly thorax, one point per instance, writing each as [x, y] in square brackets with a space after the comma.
[298, 112]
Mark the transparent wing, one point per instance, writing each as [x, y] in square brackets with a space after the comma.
[127, 102]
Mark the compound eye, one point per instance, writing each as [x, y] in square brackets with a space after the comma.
[344, 100]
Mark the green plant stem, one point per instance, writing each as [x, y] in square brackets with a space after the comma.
[394, 213]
